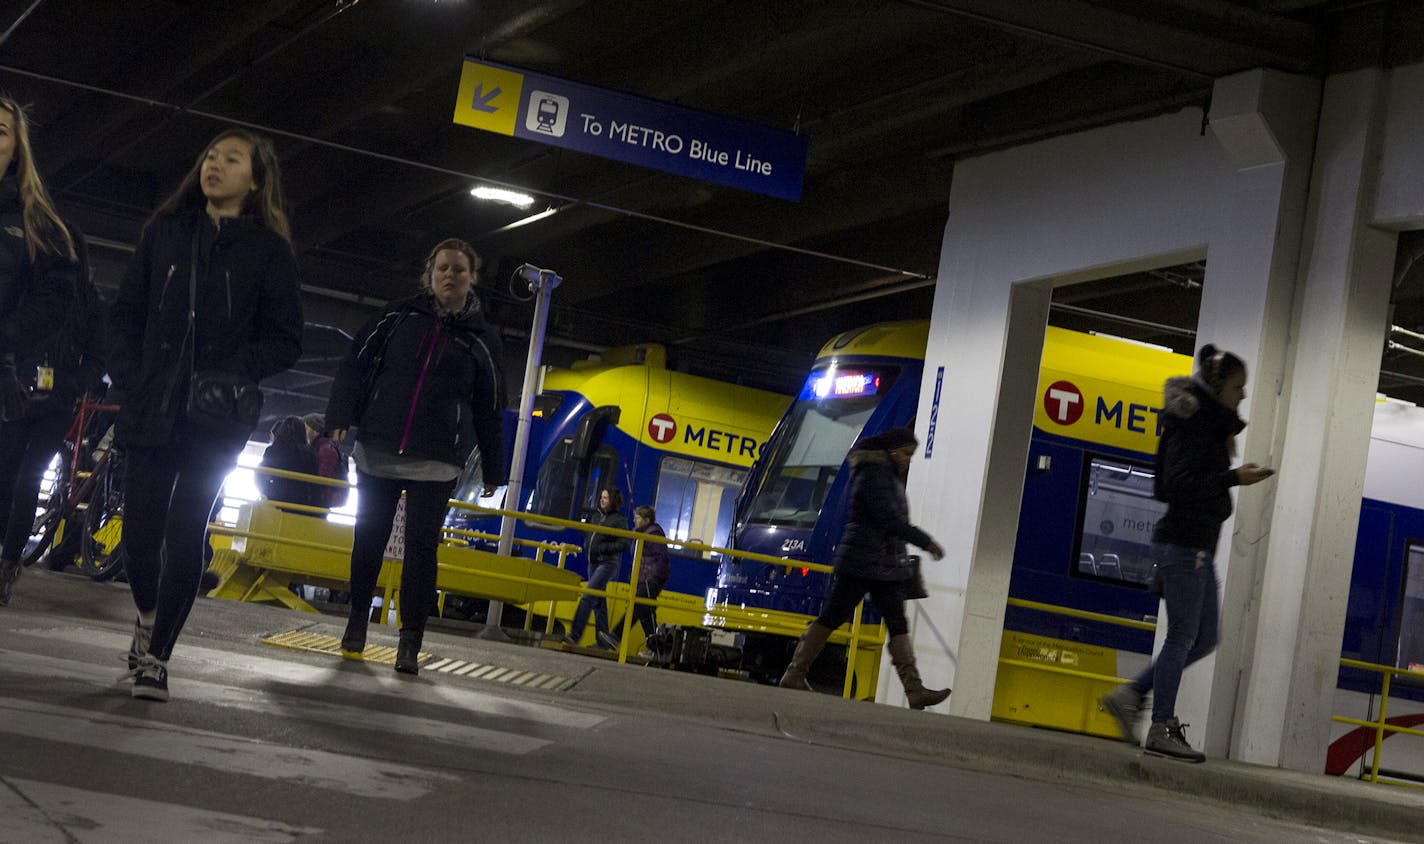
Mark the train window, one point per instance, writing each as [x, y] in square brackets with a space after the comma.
[695, 500]
[811, 445]
[1116, 517]
[555, 488]
[1411, 615]
[602, 473]
[559, 485]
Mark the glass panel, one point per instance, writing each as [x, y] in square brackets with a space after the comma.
[1119, 513]
[694, 500]
[602, 473]
[1411, 615]
[554, 490]
[812, 444]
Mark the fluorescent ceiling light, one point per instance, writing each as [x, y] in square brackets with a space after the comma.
[521, 200]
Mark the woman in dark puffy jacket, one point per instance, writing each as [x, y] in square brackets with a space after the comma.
[655, 569]
[605, 555]
[870, 558]
[290, 452]
[211, 288]
[421, 385]
[1194, 477]
[44, 278]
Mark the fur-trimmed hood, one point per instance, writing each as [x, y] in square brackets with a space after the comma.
[865, 457]
[1181, 396]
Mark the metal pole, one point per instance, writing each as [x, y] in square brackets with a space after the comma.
[541, 284]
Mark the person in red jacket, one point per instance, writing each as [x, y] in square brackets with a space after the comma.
[329, 462]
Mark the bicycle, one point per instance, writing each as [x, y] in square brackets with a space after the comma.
[96, 493]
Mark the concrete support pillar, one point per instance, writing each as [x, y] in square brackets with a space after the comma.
[1265, 122]
[1339, 322]
[1115, 200]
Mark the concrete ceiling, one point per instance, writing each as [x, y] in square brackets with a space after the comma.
[359, 97]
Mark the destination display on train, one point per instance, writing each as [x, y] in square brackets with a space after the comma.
[713, 148]
[840, 384]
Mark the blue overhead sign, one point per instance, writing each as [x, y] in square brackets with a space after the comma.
[640, 131]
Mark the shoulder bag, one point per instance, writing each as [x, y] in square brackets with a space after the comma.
[220, 403]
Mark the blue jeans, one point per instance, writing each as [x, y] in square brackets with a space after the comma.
[1190, 590]
[597, 579]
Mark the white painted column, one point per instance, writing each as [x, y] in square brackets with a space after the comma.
[1081, 207]
[1265, 122]
[1339, 323]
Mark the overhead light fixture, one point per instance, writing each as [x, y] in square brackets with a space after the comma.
[515, 198]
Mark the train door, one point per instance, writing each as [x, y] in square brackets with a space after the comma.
[695, 502]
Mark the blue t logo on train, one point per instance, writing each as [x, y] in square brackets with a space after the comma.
[677, 442]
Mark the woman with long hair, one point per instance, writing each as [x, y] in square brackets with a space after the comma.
[212, 288]
[44, 288]
[605, 556]
[1194, 477]
[422, 386]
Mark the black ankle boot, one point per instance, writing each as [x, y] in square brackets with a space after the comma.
[353, 641]
[408, 652]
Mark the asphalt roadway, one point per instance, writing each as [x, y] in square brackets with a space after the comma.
[507, 742]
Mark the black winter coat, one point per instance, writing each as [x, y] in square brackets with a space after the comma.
[48, 308]
[425, 386]
[603, 548]
[655, 556]
[878, 525]
[1194, 475]
[292, 458]
[249, 315]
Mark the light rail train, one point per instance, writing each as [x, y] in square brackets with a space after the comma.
[678, 442]
[1084, 533]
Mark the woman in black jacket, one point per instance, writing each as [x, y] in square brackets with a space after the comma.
[1194, 477]
[44, 288]
[291, 452]
[212, 287]
[605, 555]
[421, 384]
[871, 559]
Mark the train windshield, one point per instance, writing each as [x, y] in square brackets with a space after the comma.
[827, 418]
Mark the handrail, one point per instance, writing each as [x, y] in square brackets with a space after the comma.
[1072, 613]
[1380, 725]
[1085, 614]
[638, 538]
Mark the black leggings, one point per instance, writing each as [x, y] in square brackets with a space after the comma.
[647, 614]
[26, 448]
[425, 505]
[168, 493]
[888, 596]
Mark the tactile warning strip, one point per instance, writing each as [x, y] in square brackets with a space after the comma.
[298, 640]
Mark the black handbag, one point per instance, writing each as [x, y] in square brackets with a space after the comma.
[915, 583]
[220, 403]
[224, 404]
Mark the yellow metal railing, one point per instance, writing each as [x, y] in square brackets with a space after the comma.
[1379, 724]
[718, 618]
[1072, 613]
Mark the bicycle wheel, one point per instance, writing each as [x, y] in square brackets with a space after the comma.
[101, 540]
[48, 517]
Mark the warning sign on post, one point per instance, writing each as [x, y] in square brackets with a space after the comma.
[395, 546]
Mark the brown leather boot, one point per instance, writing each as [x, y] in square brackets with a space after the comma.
[807, 649]
[902, 655]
